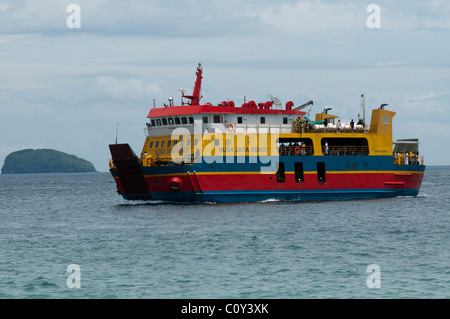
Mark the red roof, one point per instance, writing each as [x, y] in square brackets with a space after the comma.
[197, 109]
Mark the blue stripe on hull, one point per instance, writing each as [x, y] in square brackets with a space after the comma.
[257, 196]
[333, 163]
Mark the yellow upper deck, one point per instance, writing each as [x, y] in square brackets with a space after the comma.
[377, 140]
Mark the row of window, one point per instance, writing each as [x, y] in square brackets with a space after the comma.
[185, 120]
[293, 146]
[175, 142]
[172, 121]
[163, 144]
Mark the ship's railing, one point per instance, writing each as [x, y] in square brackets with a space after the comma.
[295, 150]
[249, 128]
[407, 159]
[345, 150]
[259, 128]
[303, 127]
[335, 128]
[150, 160]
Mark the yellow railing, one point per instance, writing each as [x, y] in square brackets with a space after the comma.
[408, 159]
[295, 150]
[345, 150]
[149, 160]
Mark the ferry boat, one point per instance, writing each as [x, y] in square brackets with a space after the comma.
[262, 151]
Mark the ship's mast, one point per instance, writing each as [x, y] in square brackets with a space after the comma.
[363, 104]
[196, 95]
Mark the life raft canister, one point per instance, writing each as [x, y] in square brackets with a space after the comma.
[149, 160]
[175, 184]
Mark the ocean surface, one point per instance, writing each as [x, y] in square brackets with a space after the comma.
[52, 223]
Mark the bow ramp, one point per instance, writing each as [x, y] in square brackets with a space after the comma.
[127, 167]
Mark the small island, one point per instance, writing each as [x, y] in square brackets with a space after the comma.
[44, 161]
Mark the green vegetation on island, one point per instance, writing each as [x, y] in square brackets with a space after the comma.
[44, 161]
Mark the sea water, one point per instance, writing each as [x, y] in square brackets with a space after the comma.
[73, 236]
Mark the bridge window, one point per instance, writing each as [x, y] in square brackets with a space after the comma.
[239, 119]
[184, 120]
[153, 122]
[262, 120]
[285, 120]
[151, 144]
[217, 119]
[205, 119]
[170, 121]
[191, 120]
[164, 121]
[177, 121]
[158, 122]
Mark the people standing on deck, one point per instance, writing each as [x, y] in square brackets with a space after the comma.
[303, 148]
[352, 125]
[339, 126]
[326, 148]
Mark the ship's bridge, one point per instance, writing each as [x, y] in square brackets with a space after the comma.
[224, 117]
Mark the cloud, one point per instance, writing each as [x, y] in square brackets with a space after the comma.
[428, 104]
[202, 18]
[154, 18]
[317, 18]
[125, 89]
[311, 17]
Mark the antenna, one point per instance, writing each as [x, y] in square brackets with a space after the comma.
[363, 104]
[182, 94]
[117, 131]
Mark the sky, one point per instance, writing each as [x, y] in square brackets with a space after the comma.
[69, 78]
